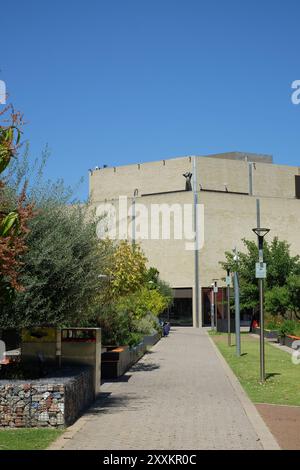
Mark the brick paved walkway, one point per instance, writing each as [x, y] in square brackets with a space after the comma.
[177, 397]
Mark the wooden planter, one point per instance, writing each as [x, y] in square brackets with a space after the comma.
[116, 360]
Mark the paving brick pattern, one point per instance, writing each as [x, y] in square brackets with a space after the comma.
[177, 397]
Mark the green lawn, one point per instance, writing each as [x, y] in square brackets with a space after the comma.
[283, 377]
[27, 439]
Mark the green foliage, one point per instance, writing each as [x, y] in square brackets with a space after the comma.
[9, 140]
[60, 270]
[282, 285]
[288, 327]
[293, 286]
[128, 271]
[137, 300]
[277, 300]
[134, 338]
[69, 277]
[64, 258]
[114, 325]
[273, 322]
[14, 212]
[143, 302]
[8, 223]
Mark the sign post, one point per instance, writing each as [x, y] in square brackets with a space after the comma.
[261, 274]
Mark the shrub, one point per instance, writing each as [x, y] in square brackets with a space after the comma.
[273, 322]
[277, 300]
[288, 327]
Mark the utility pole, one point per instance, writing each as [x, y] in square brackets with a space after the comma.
[228, 306]
[237, 307]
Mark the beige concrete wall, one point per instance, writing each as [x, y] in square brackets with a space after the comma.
[84, 353]
[228, 217]
[169, 256]
[212, 173]
[152, 177]
[174, 262]
[274, 180]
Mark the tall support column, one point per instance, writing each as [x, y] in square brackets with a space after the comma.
[196, 317]
[250, 177]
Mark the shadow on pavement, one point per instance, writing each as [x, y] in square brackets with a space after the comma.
[107, 402]
[144, 367]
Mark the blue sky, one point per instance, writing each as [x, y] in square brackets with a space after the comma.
[122, 81]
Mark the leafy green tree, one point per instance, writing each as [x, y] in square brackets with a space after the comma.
[60, 271]
[280, 266]
[61, 267]
[293, 287]
[128, 270]
[142, 302]
[277, 300]
[133, 297]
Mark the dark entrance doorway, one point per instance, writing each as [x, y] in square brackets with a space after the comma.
[222, 308]
[181, 312]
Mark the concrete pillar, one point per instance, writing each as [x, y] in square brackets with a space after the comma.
[78, 351]
[197, 316]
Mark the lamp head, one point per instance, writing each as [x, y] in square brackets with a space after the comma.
[261, 232]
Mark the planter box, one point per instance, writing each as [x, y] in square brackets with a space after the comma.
[150, 340]
[281, 340]
[115, 361]
[270, 334]
[289, 339]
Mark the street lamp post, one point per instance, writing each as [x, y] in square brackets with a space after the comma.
[228, 307]
[215, 295]
[261, 273]
[237, 306]
[212, 310]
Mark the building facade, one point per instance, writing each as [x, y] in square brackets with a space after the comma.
[225, 187]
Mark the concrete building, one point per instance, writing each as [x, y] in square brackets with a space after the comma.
[227, 185]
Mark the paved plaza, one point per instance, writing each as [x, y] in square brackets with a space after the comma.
[179, 396]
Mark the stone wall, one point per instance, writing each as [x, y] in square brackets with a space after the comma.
[55, 401]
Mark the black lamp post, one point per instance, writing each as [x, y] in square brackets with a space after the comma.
[215, 296]
[228, 306]
[261, 275]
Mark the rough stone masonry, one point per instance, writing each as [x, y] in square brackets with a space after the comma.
[55, 401]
